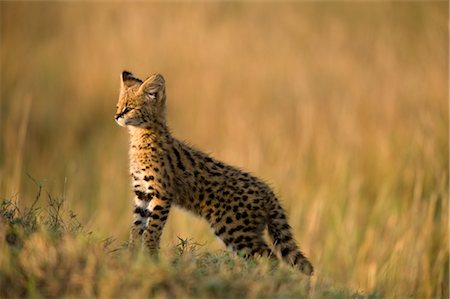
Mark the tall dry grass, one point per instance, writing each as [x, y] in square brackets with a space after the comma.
[341, 107]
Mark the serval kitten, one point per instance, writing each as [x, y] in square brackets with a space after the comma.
[166, 172]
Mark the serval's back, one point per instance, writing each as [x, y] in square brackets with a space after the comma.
[166, 172]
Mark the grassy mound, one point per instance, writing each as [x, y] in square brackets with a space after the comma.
[46, 252]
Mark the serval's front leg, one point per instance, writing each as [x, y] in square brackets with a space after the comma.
[140, 217]
[158, 209]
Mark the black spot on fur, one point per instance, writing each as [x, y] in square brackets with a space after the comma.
[221, 230]
[143, 196]
[169, 159]
[285, 251]
[157, 208]
[142, 212]
[238, 228]
[149, 178]
[179, 163]
[285, 226]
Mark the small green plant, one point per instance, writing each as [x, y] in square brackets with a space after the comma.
[187, 245]
[53, 218]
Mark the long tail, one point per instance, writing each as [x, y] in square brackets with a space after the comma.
[280, 232]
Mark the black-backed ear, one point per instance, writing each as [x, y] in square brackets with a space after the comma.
[128, 79]
[154, 86]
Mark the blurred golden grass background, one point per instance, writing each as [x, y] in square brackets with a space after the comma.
[341, 107]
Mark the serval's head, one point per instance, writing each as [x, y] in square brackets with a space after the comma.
[141, 103]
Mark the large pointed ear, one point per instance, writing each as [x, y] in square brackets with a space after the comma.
[154, 87]
[128, 79]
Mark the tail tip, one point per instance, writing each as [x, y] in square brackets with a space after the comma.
[306, 267]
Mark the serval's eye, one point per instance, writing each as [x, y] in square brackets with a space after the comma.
[126, 110]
